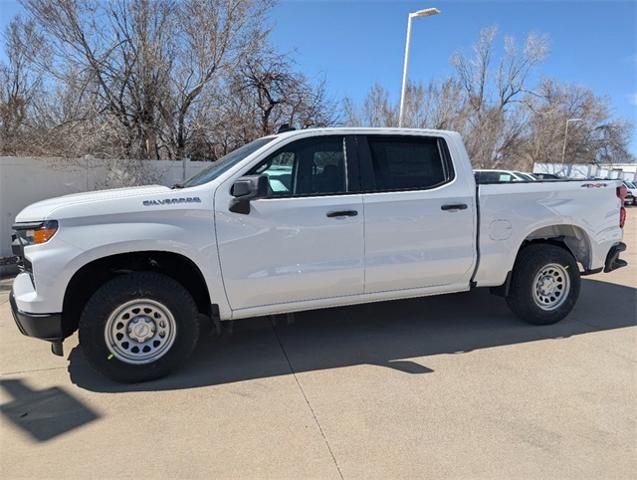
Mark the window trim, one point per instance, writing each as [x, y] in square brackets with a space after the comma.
[368, 176]
[350, 163]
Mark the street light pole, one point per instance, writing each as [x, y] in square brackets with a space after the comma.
[420, 13]
[566, 135]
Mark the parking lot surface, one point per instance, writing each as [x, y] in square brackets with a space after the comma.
[440, 387]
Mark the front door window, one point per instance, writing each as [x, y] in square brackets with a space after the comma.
[309, 167]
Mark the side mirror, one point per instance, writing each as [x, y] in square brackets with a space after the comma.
[246, 189]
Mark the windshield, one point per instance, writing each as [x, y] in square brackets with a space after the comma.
[226, 162]
[629, 184]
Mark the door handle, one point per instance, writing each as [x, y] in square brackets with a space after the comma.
[454, 206]
[342, 213]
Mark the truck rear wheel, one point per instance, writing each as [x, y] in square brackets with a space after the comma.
[138, 327]
[545, 284]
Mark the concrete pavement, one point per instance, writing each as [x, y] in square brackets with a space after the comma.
[442, 387]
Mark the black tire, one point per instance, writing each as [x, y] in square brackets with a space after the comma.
[531, 260]
[117, 292]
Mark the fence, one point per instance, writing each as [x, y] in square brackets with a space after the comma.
[27, 180]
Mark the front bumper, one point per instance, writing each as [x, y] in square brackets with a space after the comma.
[47, 326]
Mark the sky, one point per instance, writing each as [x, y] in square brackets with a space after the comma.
[354, 44]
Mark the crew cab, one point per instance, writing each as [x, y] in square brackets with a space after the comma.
[301, 220]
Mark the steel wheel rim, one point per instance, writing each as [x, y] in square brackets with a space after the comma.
[140, 331]
[551, 286]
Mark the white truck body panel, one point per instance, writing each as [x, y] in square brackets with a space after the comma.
[511, 213]
[286, 255]
[407, 242]
[102, 225]
[284, 251]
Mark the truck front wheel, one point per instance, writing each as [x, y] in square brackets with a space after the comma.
[138, 327]
[545, 284]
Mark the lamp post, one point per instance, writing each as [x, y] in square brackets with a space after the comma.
[420, 13]
[566, 135]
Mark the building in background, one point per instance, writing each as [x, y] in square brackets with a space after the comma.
[625, 171]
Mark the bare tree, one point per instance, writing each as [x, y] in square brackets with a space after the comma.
[281, 95]
[473, 71]
[505, 121]
[19, 85]
[492, 94]
[217, 35]
[377, 109]
[262, 93]
[147, 61]
[198, 78]
[597, 138]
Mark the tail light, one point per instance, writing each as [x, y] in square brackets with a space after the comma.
[622, 191]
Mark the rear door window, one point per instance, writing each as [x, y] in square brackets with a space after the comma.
[408, 162]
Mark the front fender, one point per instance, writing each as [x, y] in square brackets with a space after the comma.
[77, 244]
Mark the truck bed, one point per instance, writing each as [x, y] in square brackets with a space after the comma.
[512, 213]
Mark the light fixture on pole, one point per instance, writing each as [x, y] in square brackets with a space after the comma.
[420, 13]
[570, 120]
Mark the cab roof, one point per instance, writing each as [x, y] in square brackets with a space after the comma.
[361, 131]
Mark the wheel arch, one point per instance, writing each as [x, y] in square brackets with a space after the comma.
[96, 272]
[571, 237]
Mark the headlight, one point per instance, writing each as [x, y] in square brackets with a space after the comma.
[35, 233]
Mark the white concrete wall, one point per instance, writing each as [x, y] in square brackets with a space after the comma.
[27, 180]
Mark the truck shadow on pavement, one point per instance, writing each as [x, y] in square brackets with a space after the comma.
[385, 334]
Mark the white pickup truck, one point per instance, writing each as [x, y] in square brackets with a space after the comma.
[301, 220]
